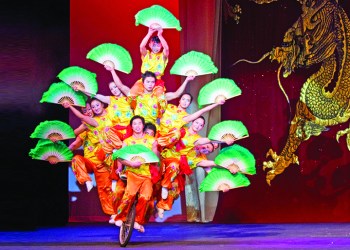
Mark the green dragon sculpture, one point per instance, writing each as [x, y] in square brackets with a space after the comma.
[321, 35]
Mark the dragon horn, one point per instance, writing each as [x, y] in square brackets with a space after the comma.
[245, 60]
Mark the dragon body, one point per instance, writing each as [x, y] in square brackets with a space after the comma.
[320, 36]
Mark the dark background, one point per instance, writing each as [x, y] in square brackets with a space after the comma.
[34, 47]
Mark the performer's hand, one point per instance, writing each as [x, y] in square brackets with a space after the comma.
[53, 161]
[151, 30]
[109, 68]
[135, 164]
[233, 168]
[66, 104]
[190, 78]
[229, 141]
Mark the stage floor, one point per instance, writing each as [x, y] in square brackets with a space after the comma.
[184, 236]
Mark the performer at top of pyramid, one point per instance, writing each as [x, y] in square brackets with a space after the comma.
[154, 60]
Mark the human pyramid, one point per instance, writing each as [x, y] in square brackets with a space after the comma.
[139, 136]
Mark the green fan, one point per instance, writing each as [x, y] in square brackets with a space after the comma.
[239, 156]
[47, 150]
[193, 63]
[228, 131]
[222, 180]
[82, 78]
[53, 130]
[60, 92]
[136, 152]
[112, 55]
[217, 90]
[157, 16]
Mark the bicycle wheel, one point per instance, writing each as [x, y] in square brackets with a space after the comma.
[126, 228]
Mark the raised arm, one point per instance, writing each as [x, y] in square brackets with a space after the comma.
[173, 95]
[164, 44]
[77, 113]
[143, 44]
[102, 98]
[200, 112]
[123, 88]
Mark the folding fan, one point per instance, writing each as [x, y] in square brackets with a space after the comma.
[60, 92]
[216, 90]
[56, 130]
[47, 150]
[112, 55]
[75, 75]
[227, 131]
[193, 63]
[157, 16]
[136, 152]
[237, 155]
[222, 180]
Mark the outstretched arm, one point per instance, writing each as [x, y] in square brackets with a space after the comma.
[123, 88]
[198, 113]
[102, 98]
[143, 44]
[164, 44]
[173, 95]
[77, 113]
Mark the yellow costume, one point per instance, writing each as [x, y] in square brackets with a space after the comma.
[150, 107]
[170, 125]
[156, 64]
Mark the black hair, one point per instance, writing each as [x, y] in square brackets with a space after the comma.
[150, 125]
[202, 117]
[191, 96]
[148, 74]
[155, 39]
[137, 117]
[95, 99]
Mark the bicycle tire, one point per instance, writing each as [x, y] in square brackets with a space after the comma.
[127, 227]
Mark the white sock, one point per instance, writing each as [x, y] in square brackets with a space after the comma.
[165, 193]
[89, 185]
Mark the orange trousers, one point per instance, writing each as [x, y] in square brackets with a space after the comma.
[135, 184]
[170, 170]
[82, 166]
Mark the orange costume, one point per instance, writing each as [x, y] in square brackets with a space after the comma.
[82, 165]
[174, 165]
[156, 64]
[170, 124]
[101, 162]
[138, 181]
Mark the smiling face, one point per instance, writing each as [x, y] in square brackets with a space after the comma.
[114, 89]
[97, 107]
[148, 83]
[87, 110]
[185, 101]
[137, 126]
[205, 148]
[197, 124]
